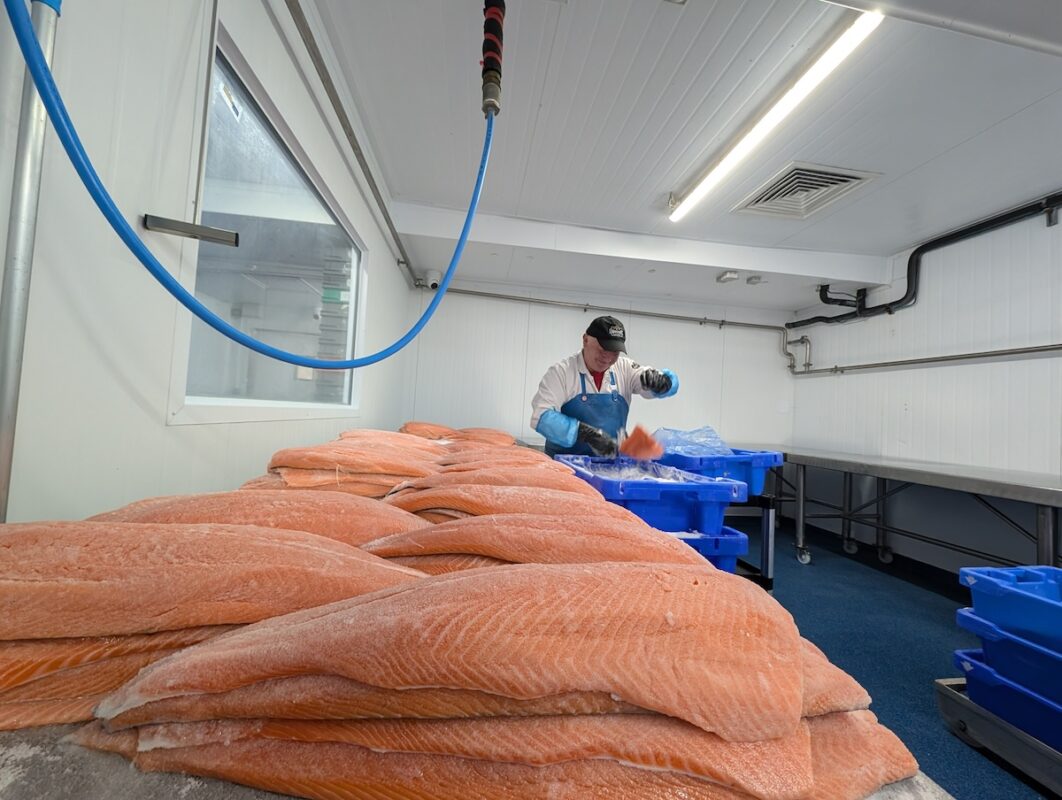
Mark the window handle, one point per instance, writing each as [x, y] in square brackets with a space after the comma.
[202, 232]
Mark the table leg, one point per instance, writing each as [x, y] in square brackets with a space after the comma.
[767, 542]
[847, 542]
[1046, 535]
[882, 537]
[803, 554]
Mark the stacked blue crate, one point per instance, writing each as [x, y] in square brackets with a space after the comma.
[1017, 673]
[748, 466]
[671, 500]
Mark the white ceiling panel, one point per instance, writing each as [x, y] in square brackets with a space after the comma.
[608, 105]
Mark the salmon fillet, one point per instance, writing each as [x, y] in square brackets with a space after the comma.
[339, 482]
[333, 697]
[427, 430]
[371, 487]
[500, 462]
[532, 538]
[853, 756]
[499, 455]
[730, 653]
[394, 439]
[442, 563]
[330, 771]
[30, 659]
[359, 458]
[828, 688]
[35, 713]
[527, 477]
[96, 678]
[483, 500]
[67, 579]
[778, 769]
[347, 519]
[641, 445]
[490, 436]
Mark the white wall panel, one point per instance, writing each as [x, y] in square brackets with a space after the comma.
[104, 339]
[1000, 290]
[470, 366]
[997, 291]
[733, 380]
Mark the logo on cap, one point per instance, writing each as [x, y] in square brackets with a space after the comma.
[616, 331]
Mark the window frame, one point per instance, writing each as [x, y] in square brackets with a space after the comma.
[190, 410]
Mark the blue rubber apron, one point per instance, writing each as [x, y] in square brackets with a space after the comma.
[604, 410]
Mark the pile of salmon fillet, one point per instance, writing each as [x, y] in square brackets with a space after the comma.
[430, 613]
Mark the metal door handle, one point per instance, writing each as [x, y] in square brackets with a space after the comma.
[202, 232]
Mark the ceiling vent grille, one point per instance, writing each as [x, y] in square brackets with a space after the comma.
[801, 190]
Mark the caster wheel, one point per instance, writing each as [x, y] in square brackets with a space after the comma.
[851, 546]
[804, 556]
[959, 729]
[885, 555]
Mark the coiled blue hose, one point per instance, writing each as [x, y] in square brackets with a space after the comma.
[64, 128]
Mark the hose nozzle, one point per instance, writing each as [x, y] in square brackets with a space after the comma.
[491, 93]
[493, 22]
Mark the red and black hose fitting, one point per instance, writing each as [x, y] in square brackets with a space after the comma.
[493, 23]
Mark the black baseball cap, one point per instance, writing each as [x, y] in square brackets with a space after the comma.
[609, 333]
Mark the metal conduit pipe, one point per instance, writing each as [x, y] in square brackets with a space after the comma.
[840, 369]
[785, 341]
[1047, 205]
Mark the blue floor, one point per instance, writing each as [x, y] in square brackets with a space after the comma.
[895, 638]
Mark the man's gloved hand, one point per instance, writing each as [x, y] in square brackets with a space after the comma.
[656, 382]
[597, 440]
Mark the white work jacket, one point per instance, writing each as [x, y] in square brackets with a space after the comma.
[561, 383]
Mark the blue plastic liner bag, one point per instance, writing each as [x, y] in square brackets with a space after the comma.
[699, 442]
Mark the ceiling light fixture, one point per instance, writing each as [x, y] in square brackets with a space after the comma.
[816, 74]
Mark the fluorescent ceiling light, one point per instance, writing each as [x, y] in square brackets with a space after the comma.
[816, 74]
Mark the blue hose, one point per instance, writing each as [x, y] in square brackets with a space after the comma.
[64, 128]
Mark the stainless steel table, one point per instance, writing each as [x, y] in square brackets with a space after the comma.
[1042, 490]
[34, 765]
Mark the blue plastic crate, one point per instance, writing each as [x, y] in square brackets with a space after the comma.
[748, 466]
[1023, 709]
[1026, 601]
[666, 498]
[1026, 663]
[722, 549]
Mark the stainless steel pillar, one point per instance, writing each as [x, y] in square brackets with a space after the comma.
[18, 260]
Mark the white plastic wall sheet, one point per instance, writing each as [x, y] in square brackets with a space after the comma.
[1000, 290]
[480, 362]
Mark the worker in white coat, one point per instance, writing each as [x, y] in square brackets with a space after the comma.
[582, 402]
